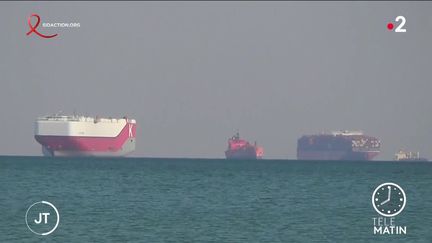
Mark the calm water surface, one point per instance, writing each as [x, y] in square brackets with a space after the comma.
[198, 200]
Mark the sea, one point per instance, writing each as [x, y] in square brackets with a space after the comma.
[210, 200]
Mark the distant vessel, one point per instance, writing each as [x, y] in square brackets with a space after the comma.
[402, 155]
[85, 136]
[340, 145]
[242, 149]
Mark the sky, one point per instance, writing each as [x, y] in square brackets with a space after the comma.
[193, 73]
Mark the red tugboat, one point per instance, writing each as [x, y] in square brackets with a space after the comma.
[242, 149]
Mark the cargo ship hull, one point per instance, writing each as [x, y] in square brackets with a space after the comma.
[84, 136]
[248, 153]
[344, 145]
[336, 155]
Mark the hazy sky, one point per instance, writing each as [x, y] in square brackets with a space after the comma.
[192, 73]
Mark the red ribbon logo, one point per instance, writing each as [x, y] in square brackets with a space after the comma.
[33, 28]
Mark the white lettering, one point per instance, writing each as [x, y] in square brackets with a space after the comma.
[61, 25]
[130, 130]
[390, 230]
[377, 230]
[40, 218]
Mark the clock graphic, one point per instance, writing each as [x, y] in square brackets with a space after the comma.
[389, 199]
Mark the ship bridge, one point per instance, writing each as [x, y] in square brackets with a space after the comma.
[347, 133]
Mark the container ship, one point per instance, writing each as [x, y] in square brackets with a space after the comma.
[85, 136]
[242, 149]
[340, 145]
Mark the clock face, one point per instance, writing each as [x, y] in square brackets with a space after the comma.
[389, 199]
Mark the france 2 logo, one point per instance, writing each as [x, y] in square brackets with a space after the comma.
[399, 28]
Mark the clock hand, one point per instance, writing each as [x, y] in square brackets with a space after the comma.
[388, 198]
[386, 201]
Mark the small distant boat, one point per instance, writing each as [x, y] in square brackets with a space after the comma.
[402, 155]
[242, 149]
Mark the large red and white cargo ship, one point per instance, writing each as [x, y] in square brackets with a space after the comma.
[85, 136]
[242, 149]
[340, 145]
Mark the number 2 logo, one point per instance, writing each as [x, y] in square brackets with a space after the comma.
[402, 20]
